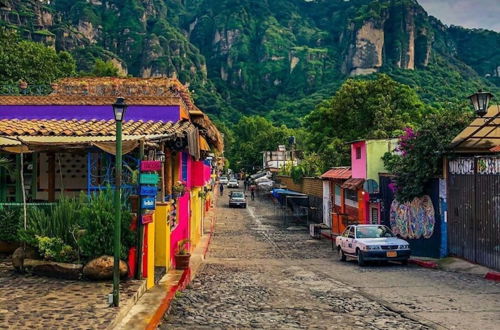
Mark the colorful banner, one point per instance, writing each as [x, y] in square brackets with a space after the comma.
[150, 166]
[148, 203]
[149, 178]
[148, 191]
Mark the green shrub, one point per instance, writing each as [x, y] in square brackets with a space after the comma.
[54, 249]
[97, 225]
[10, 223]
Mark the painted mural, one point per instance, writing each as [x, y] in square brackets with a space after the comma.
[413, 220]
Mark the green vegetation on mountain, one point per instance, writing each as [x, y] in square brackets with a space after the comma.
[277, 59]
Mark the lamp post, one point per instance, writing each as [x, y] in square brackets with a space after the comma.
[119, 108]
[480, 101]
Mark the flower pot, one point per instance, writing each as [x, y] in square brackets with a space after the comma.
[182, 261]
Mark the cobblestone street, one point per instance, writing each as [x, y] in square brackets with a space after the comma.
[261, 273]
[35, 302]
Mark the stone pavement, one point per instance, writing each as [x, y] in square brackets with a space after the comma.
[34, 302]
[263, 273]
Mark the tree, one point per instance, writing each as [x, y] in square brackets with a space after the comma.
[31, 62]
[105, 69]
[420, 152]
[251, 136]
[361, 109]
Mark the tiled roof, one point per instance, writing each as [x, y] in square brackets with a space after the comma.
[482, 135]
[495, 149]
[86, 100]
[353, 184]
[17, 127]
[342, 173]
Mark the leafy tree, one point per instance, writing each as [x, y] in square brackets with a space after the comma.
[31, 62]
[420, 152]
[378, 108]
[251, 136]
[105, 69]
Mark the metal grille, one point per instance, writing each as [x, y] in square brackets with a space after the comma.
[389, 247]
[474, 211]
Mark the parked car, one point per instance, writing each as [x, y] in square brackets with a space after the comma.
[237, 199]
[223, 180]
[233, 183]
[371, 242]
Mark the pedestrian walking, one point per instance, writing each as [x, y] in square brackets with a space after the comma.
[245, 185]
[221, 189]
[252, 191]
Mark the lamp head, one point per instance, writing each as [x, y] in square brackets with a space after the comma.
[480, 101]
[119, 108]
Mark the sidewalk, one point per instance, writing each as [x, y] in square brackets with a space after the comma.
[148, 312]
[457, 265]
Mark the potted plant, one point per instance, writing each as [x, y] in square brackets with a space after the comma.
[179, 189]
[182, 254]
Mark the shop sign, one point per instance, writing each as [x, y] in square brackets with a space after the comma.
[147, 178]
[148, 191]
[147, 218]
[148, 203]
[150, 166]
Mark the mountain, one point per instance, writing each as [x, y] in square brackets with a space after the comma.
[272, 57]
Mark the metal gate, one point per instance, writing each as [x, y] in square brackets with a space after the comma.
[474, 209]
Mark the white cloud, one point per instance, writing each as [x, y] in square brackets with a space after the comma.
[467, 13]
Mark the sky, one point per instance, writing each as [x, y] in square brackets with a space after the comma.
[467, 13]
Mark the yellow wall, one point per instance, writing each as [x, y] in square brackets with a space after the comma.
[375, 150]
[162, 235]
[196, 216]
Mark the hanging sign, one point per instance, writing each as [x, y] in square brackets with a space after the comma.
[148, 203]
[147, 218]
[146, 178]
[148, 191]
[150, 166]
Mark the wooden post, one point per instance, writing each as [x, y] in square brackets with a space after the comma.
[168, 170]
[3, 185]
[34, 175]
[19, 187]
[52, 176]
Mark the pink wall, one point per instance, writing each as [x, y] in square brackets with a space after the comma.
[358, 165]
[200, 173]
[181, 231]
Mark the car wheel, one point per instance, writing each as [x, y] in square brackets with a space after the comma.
[341, 254]
[404, 262]
[361, 259]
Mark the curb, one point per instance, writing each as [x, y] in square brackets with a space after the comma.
[165, 304]
[492, 276]
[425, 264]
[328, 237]
[181, 285]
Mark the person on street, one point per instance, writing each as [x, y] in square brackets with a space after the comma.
[245, 185]
[252, 191]
[221, 189]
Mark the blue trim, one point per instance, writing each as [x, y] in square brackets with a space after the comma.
[184, 166]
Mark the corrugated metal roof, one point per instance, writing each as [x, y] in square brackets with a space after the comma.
[342, 173]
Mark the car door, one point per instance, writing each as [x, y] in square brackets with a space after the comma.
[343, 238]
[350, 246]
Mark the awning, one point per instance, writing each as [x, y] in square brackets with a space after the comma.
[341, 173]
[482, 135]
[353, 184]
[204, 144]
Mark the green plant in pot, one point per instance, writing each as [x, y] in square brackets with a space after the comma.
[182, 254]
[179, 189]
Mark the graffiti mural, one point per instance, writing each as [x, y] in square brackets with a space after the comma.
[413, 220]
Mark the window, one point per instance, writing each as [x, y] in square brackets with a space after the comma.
[346, 232]
[374, 215]
[358, 152]
[351, 195]
[351, 232]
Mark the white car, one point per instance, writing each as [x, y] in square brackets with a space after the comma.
[233, 183]
[371, 242]
[223, 180]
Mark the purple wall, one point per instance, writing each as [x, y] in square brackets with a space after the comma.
[89, 112]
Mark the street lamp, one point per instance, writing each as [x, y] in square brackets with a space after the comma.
[480, 101]
[119, 108]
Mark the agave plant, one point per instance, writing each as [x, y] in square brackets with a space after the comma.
[4, 163]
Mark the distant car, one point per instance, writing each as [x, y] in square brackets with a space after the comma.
[223, 180]
[371, 242]
[233, 183]
[237, 199]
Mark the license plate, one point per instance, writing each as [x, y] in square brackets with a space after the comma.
[392, 254]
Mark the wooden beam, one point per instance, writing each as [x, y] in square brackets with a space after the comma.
[52, 176]
[19, 187]
[34, 175]
[168, 170]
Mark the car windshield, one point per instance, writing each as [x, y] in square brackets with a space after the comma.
[237, 195]
[373, 232]
[223, 178]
